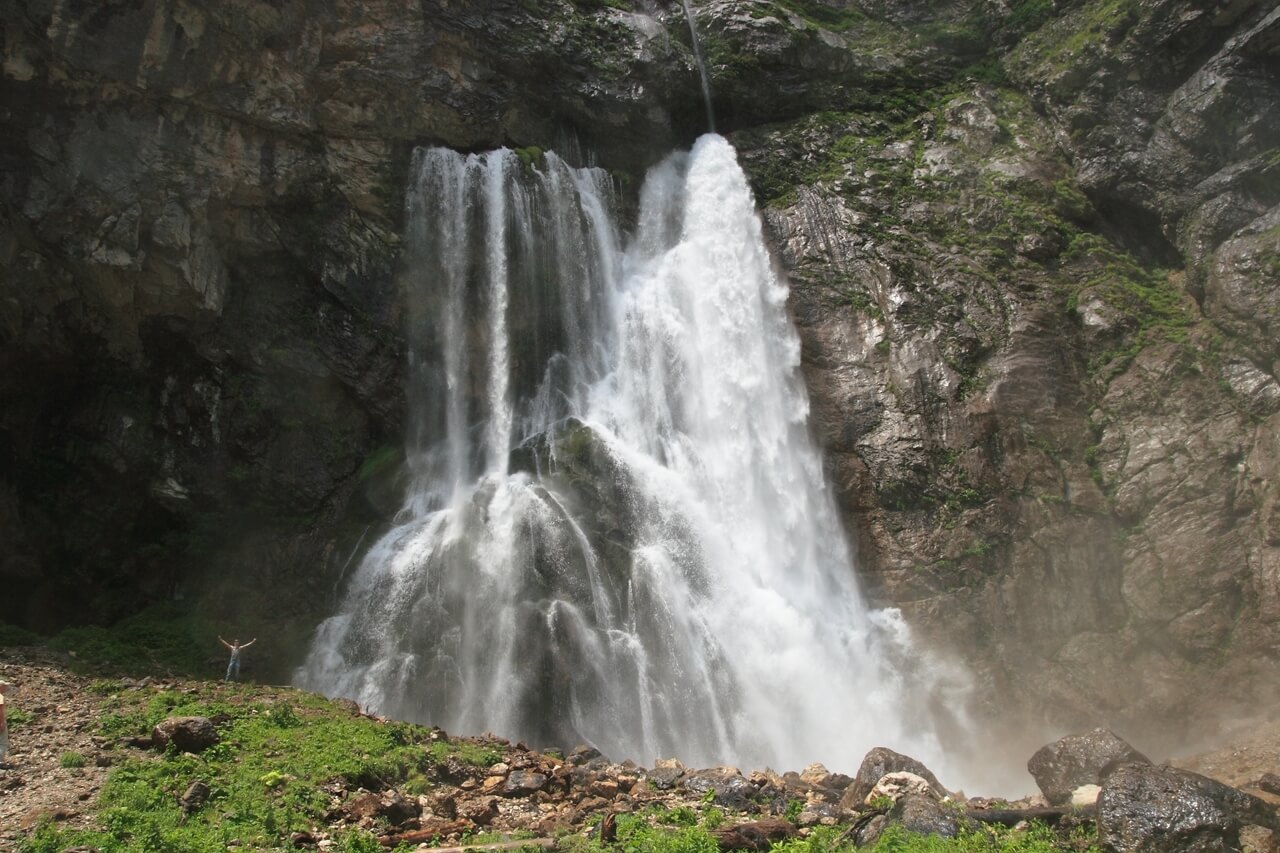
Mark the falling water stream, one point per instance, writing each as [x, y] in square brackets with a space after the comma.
[701, 59]
[618, 530]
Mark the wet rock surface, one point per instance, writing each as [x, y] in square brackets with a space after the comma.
[1060, 768]
[1156, 809]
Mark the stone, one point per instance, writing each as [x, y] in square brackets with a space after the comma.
[397, 808]
[194, 797]
[1061, 767]
[727, 787]
[479, 810]
[664, 778]
[362, 806]
[1144, 808]
[187, 734]
[582, 753]
[897, 785]
[814, 774]
[926, 815]
[819, 814]
[1269, 782]
[522, 783]
[877, 764]
[1085, 795]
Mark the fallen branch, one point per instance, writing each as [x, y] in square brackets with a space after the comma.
[1013, 817]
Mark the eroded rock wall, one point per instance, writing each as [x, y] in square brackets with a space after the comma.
[1034, 309]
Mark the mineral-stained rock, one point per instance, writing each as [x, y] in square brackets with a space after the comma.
[878, 763]
[187, 734]
[1063, 766]
[1145, 808]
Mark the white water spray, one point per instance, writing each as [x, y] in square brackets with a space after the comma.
[618, 531]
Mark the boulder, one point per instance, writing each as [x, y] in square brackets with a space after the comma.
[895, 786]
[665, 776]
[923, 813]
[187, 734]
[1063, 766]
[877, 764]
[727, 786]
[479, 810]
[1145, 808]
[1085, 795]
[582, 753]
[1269, 782]
[398, 809]
[522, 783]
[194, 797]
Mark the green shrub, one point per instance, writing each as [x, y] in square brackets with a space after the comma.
[71, 759]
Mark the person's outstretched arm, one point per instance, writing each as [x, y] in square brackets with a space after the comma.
[250, 643]
[224, 642]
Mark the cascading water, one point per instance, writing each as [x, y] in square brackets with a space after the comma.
[698, 57]
[618, 531]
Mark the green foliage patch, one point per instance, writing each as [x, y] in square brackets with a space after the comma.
[163, 638]
[267, 774]
[12, 635]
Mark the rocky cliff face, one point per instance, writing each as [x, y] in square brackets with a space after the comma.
[1036, 261]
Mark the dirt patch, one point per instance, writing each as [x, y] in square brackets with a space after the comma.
[57, 718]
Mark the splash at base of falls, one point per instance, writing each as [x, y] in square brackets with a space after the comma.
[618, 531]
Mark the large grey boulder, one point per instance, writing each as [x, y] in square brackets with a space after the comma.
[1145, 808]
[1063, 766]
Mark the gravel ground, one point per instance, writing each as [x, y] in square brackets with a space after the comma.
[63, 718]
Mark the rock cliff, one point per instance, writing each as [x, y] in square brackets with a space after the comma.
[1034, 247]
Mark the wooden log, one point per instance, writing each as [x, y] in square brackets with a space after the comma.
[430, 830]
[755, 835]
[1013, 817]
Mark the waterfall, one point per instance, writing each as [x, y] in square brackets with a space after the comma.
[618, 531]
[701, 59]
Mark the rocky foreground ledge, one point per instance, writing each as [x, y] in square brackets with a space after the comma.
[119, 764]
